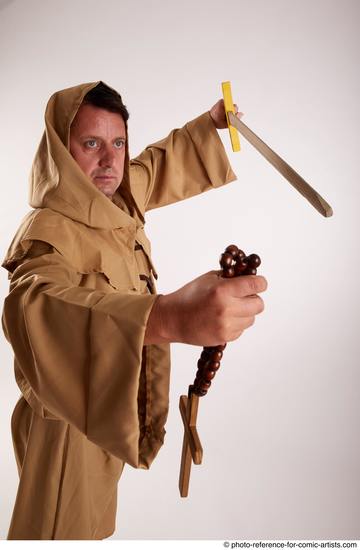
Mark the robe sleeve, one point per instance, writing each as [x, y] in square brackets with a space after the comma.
[191, 160]
[80, 350]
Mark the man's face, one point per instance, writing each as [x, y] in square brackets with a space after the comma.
[97, 143]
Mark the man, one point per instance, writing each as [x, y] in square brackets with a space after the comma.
[89, 333]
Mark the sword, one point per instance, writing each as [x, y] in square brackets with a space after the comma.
[283, 167]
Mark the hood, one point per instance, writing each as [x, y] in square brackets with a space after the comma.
[57, 181]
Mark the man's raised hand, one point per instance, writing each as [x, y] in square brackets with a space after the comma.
[217, 113]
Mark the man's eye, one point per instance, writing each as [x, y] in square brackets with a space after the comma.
[119, 143]
[91, 143]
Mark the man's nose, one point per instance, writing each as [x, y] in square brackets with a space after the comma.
[107, 157]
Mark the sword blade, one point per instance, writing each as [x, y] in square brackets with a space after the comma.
[283, 167]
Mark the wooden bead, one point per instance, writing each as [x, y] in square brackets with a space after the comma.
[240, 267]
[221, 347]
[253, 260]
[197, 391]
[229, 272]
[216, 355]
[213, 349]
[241, 260]
[204, 355]
[205, 385]
[241, 254]
[249, 271]
[209, 374]
[226, 259]
[213, 365]
[232, 249]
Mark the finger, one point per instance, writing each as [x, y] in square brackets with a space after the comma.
[217, 272]
[248, 322]
[238, 329]
[248, 306]
[246, 285]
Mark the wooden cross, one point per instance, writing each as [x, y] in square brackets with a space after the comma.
[191, 449]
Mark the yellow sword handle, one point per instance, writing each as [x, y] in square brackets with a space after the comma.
[229, 106]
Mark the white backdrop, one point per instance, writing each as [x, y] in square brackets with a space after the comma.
[280, 426]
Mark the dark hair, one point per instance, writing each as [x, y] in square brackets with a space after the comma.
[106, 98]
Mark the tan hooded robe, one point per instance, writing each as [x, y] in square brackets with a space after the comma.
[81, 290]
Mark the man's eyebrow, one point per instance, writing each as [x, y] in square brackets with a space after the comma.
[92, 136]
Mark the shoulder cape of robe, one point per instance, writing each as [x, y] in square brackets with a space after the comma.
[93, 396]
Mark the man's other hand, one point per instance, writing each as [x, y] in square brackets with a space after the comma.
[217, 113]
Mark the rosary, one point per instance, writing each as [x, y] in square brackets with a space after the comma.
[234, 263]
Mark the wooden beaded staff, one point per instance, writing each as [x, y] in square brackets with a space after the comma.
[233, 262]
